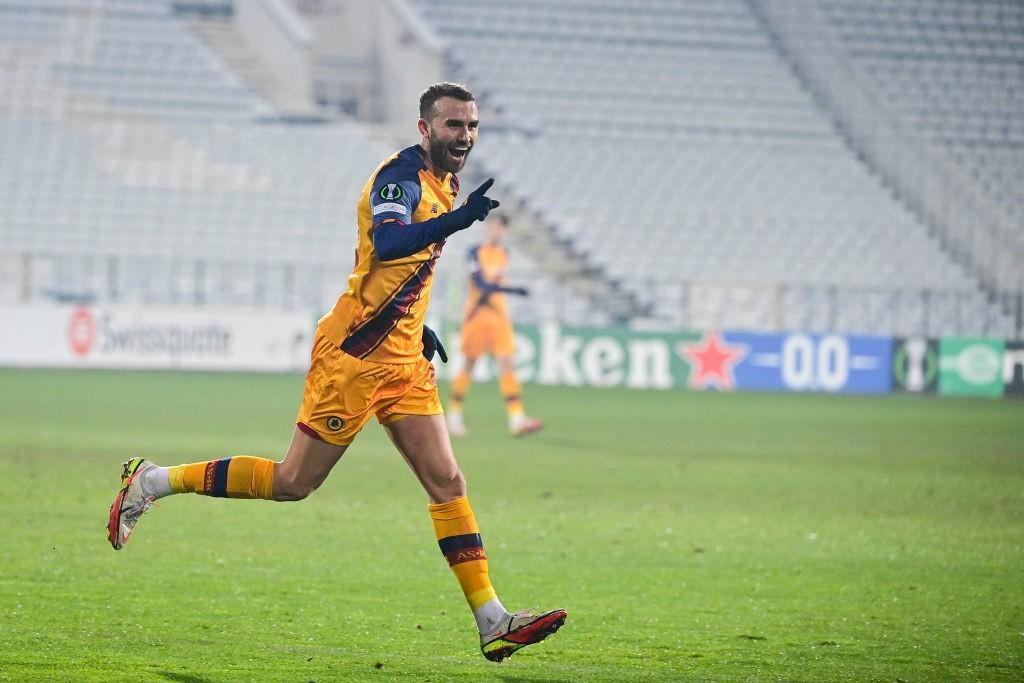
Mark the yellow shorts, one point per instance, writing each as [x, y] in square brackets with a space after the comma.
[488, 332]
[342, 392]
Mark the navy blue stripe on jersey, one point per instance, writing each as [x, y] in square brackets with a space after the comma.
[370, 334]
[351, 348]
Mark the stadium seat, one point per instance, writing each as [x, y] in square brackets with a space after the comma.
[131, 139]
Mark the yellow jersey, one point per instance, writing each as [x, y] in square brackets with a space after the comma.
[488, 267]
[380, 316]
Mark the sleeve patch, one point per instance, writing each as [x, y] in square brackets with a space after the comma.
[391, 192]
[391, 207]
[396, 192]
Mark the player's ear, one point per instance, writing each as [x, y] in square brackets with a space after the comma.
[422, 125]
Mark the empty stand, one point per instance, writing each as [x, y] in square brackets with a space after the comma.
[673, 144]
[955, 72]
[668, 142]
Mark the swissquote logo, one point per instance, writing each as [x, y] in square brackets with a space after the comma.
[109, 334]
[81, 331]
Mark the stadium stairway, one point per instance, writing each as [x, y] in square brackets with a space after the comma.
[554, 257]
[559, 257]
[219, 34]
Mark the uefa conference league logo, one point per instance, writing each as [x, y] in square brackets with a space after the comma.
[963, 366]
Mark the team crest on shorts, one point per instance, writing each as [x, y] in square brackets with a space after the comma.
[335, 423]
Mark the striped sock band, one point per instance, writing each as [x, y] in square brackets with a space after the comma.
[458, 536]
[241, 476]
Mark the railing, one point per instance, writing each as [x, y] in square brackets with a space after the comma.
[155, 280]
[779, 306]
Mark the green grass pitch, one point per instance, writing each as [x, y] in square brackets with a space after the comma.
[690, 536]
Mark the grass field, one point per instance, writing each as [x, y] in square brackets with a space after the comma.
[690, 536]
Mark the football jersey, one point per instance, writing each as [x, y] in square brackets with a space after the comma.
[488, 265]
[380, 316]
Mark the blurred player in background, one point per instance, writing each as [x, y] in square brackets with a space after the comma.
[487, 329]
[371, 356]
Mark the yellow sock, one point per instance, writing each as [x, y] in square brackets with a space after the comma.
[459, 537]
[460, 387]
[512, 392]
[242, 476]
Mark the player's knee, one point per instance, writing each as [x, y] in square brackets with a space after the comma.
[452, 487]
[291, 488]
[292, 495]
[459, 484]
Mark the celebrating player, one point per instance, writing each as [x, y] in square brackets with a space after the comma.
[486, 328]
[371, 357]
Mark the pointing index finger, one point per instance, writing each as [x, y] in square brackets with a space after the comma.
[486, 185]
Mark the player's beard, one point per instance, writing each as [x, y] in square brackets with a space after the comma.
[441, 157]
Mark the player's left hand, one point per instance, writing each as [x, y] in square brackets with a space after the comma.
[478, 204]
[432, 343]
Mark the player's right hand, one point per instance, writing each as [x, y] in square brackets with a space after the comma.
[478, 204]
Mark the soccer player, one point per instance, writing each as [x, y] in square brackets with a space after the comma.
[487, 329]
[371, 357]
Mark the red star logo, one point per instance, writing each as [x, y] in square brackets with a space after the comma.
[711, 361]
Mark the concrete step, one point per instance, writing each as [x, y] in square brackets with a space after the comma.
[245, 63]
[571, 268]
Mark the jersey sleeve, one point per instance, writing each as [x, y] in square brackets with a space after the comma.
[396, 194]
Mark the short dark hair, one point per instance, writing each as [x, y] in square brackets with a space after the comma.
[435, 92]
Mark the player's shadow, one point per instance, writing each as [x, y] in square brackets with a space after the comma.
[528, 679]
[184, 678]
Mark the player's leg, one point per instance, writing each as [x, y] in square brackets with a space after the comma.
[424, 443]
[519, 423]
[460, 388]
[335, 406]
[305, 466]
